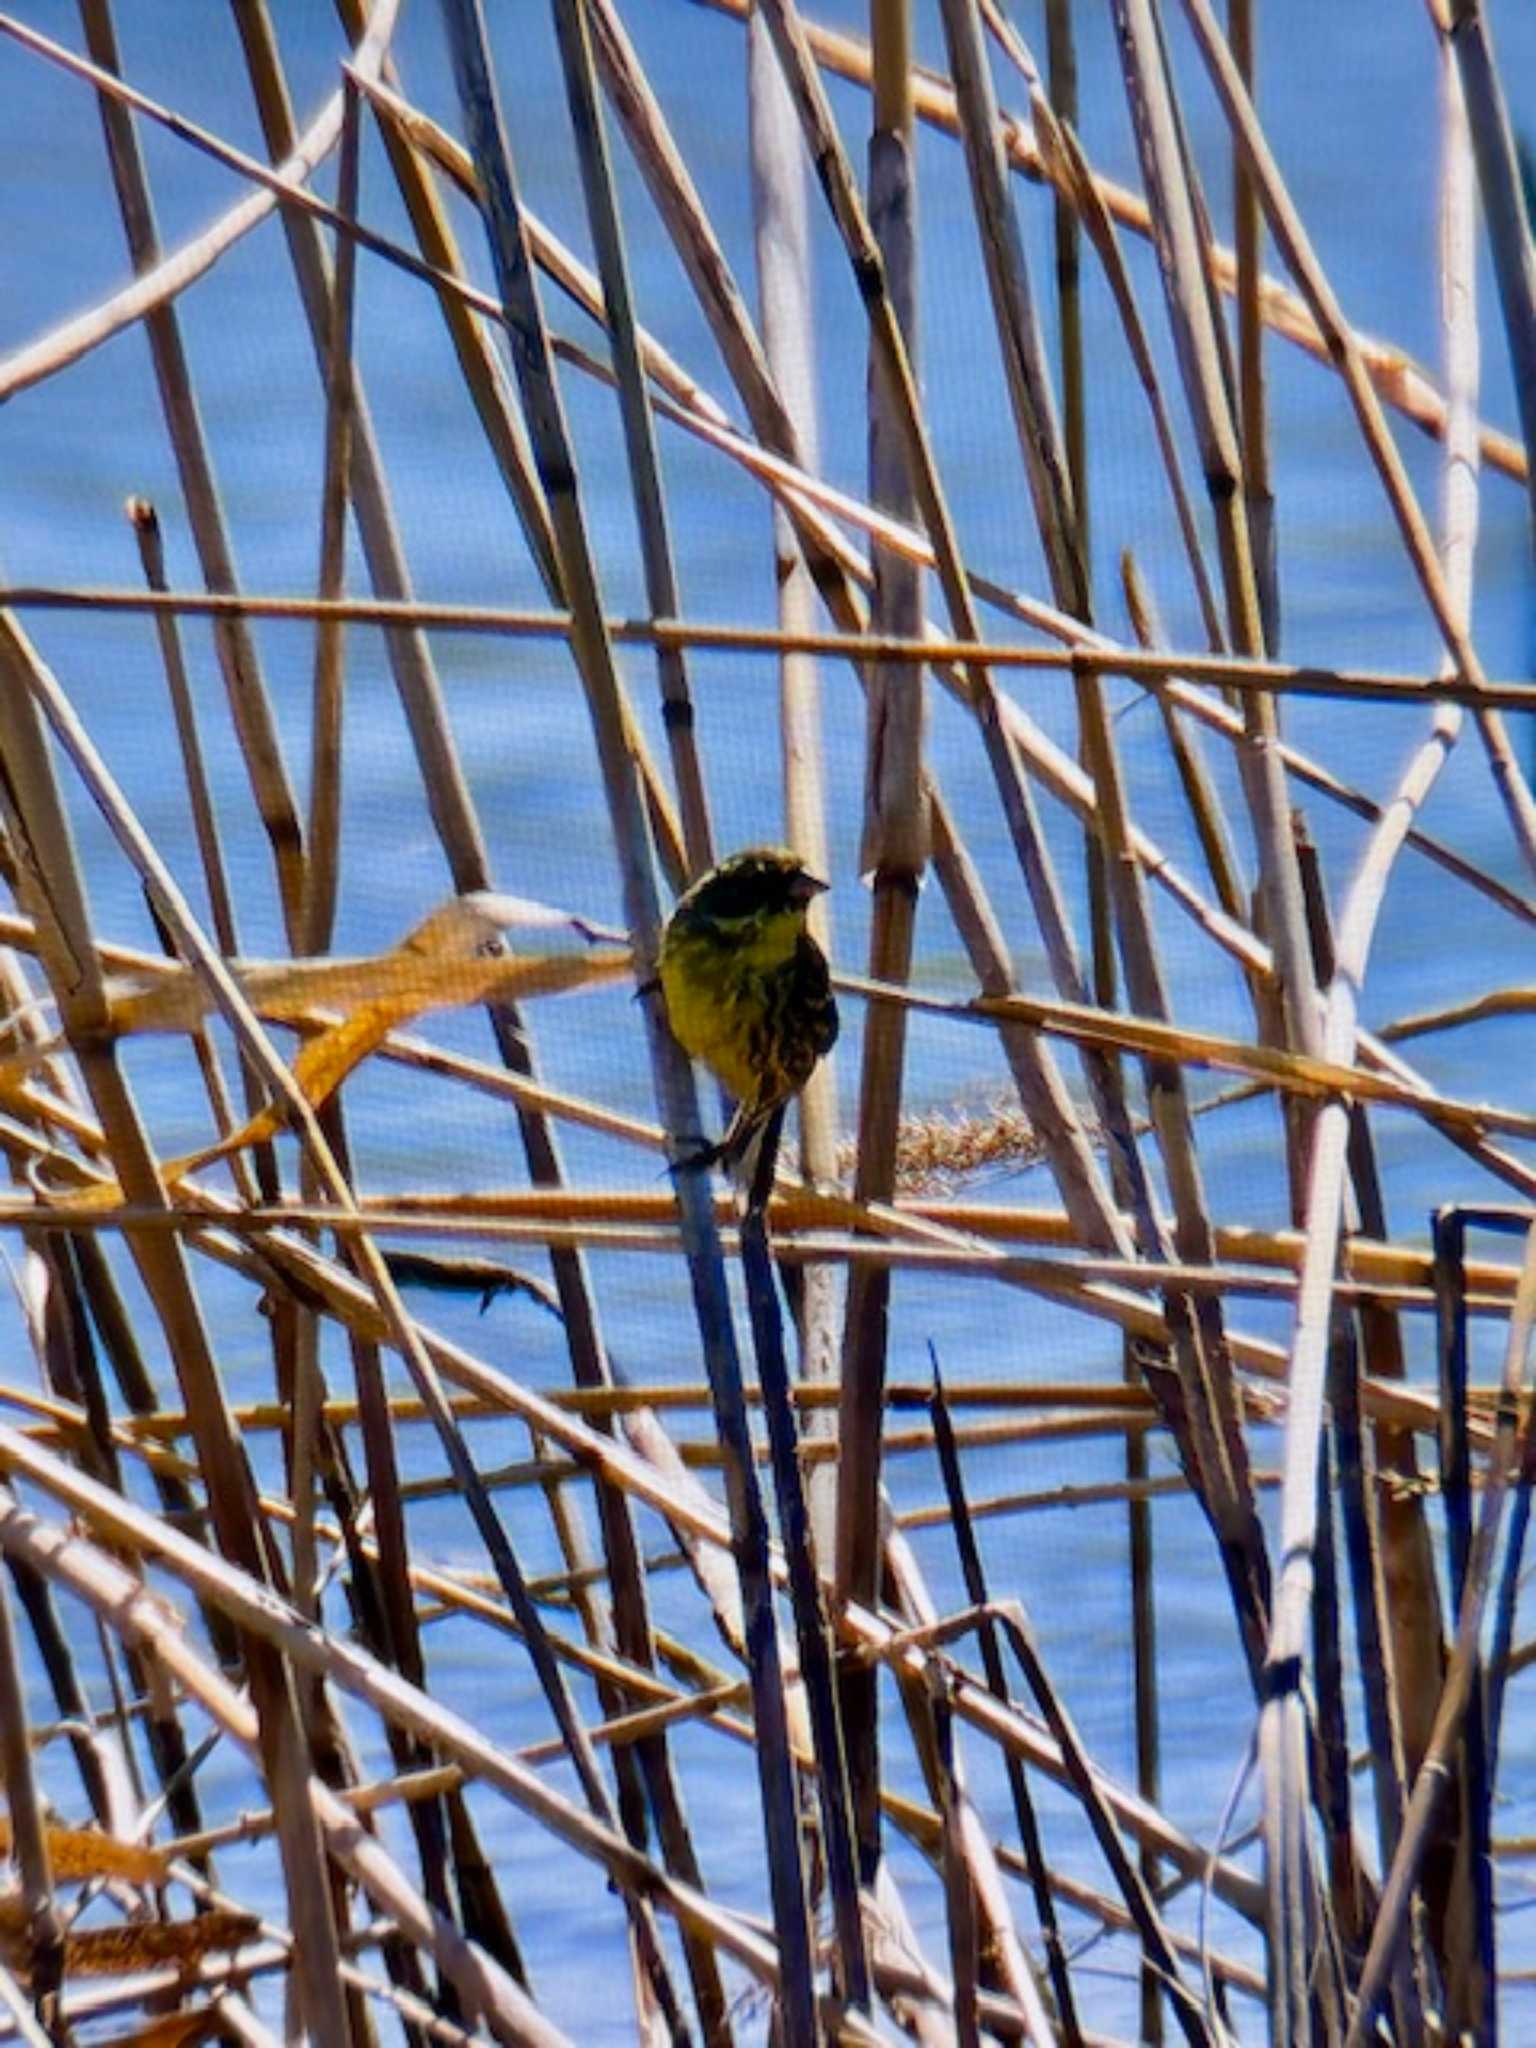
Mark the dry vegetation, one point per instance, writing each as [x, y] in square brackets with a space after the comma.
[181, 1607]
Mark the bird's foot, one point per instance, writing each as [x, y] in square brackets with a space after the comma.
[701, 1160]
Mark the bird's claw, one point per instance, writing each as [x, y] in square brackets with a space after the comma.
[701, 1160]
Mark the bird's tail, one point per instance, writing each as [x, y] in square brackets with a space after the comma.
[749, 1151]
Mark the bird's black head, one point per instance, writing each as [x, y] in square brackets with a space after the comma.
[761, 880]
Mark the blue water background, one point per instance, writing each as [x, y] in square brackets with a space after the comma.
[1349, 95]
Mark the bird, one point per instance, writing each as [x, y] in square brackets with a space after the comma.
[747, 988]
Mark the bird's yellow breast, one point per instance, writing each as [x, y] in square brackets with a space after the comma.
[705, 1009]
[716, 980]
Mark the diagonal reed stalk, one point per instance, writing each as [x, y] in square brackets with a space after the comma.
[1290, 237]
[594, 658]
[36, 822]
[1211, 1443]
[461, 833]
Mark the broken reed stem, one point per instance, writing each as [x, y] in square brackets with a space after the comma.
[960, 1518]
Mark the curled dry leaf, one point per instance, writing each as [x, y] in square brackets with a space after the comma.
[454, 957]
[140, 1944]
[79, 1853]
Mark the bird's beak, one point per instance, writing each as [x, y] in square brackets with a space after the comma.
[806, 886]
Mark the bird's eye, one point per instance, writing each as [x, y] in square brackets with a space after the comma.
[740, 894]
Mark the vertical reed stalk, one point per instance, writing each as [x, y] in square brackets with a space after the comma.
[146, 525]
[1180, 248]
[1286, 227]
[963, 1932]
[324, 831]
[786, 318]
[323, 834]
[1141, 1557]
[145, 522]
[441, 769]
[632, 1617]
[1248, 247]
[1504, 207]
[1510, 1449]
[1284, 1714]
[1066, 229]
[1385, 1703]
[236, 647]
[813, 1637]
[639, 428]
[1061, 60]
[594, 657]
[893, 850]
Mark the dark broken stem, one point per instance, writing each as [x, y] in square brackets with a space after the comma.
[1078, 1770]
[1471, 1572]
[44, 1929]
[961, 1899]
[1467, 1937]
[1141, 1559]
[816, 1662]
[969, 1551]
[1187, 2011]
[1331, 1752]
[1507, 1602]
[1358, 1503]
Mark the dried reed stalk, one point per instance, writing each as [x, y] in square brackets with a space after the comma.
[1283, 1720]
[894, 849]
